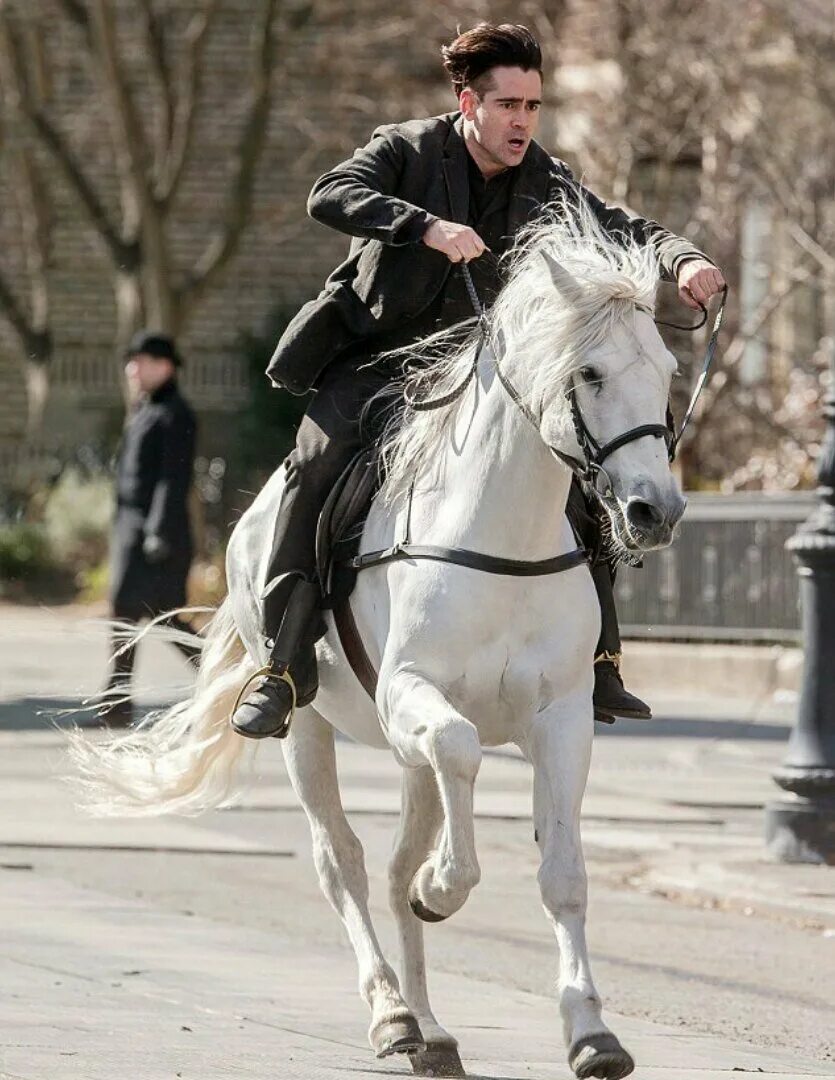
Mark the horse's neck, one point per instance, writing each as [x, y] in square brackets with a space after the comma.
[501, 491]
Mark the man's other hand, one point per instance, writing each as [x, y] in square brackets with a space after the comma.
[459, 243]
[698, 281]
[155, 549]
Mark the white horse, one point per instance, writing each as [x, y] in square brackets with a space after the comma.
[465, 659]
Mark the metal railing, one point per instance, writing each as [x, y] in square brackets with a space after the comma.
[727, 577]
[209, 380]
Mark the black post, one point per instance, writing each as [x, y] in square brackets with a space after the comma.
[800, 827]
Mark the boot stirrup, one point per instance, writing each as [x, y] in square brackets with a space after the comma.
[268, 672]
[611, 657]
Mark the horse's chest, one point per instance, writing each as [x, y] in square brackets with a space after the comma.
[506, 652]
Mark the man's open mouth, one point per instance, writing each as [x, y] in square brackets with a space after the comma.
[517, 144]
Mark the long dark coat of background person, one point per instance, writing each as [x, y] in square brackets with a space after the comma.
[153, 479]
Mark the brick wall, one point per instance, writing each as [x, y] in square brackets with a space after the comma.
[356, 64]
[337, 79]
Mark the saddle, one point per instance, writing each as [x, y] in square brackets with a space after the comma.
[338, 536]
[341, 522]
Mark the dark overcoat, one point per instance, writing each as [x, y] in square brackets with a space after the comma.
[153, 480]
[385, 197]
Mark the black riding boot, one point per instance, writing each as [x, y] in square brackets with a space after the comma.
[611, 698]
[291, 678]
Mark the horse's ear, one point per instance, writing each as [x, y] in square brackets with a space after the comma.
[564, 283]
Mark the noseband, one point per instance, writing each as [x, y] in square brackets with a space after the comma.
[589, 468]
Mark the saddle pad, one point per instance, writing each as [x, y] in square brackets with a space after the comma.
[341, 521]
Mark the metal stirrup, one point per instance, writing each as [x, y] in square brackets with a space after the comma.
[267, 671]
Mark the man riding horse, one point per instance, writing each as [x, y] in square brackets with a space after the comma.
[419, 198]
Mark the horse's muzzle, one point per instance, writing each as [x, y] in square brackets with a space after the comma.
[651, 518]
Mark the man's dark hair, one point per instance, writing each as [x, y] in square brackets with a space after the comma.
[474, 53]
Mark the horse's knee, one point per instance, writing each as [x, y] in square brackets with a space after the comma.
[454, 749]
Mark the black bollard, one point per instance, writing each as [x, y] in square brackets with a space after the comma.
[800, 827]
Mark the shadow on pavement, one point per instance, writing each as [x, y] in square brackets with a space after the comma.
[686, 727]
[38, 714]
[35, 713]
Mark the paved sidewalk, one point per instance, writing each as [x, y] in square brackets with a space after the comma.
[96, 988]
[684, 793]
[96, 984]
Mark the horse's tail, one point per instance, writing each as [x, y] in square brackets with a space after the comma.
[183, 760]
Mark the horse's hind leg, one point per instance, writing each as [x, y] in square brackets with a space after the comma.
[559, 749]
[420, 818]
[338, 854]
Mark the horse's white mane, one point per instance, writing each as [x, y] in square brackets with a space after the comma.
[541, 333]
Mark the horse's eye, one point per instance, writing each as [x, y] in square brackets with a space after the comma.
[590, 375]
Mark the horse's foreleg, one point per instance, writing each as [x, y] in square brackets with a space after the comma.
[559, 749]
[420, 818]
[427, 730]
[338, 854]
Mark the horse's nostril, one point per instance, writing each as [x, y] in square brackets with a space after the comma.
[644, 516]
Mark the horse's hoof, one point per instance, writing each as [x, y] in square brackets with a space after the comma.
[438, 1059]
[420, 909]
[600, 1055]
[402, 1036]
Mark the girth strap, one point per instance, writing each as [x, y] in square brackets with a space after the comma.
[475, 560]
[346, 626]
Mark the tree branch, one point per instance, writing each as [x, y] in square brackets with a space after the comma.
[188, 97]
[13, 309]
[133, 156]
[155, 44]
[76, 12]
[225, 242]
[811, 247]
[55, 142]
[36, 220]
[36, 341]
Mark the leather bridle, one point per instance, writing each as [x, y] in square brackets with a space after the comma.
[589, 468]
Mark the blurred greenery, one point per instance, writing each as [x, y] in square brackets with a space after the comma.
[57, 544]
[77, 517]
[267, 428]
[24, 552]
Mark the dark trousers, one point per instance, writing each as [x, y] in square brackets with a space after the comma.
[583, 513]
[334, 428]
[123, 652]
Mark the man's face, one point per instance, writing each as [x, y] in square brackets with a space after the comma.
[146, 373]
[502, 120]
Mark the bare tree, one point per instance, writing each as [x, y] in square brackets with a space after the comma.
[151, 123]
[24, 289]
[718, 112]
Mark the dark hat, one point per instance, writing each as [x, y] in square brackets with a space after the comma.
[153, 344]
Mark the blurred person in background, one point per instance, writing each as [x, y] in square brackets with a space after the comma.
[419, 198]
[151, 548]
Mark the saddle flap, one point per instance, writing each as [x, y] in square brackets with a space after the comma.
[342, 517]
